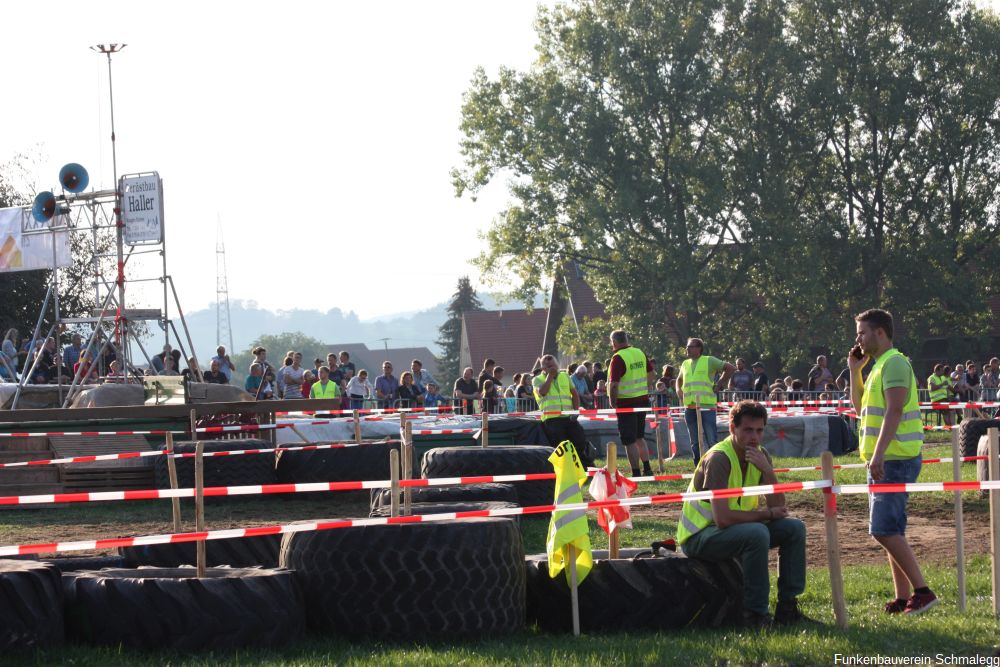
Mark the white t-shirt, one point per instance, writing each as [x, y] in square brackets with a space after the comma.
[293, 390]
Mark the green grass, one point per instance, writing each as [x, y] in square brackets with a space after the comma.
[942, 630]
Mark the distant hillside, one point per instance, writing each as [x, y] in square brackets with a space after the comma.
[249, 321]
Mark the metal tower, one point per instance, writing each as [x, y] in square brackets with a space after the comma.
[223, 325]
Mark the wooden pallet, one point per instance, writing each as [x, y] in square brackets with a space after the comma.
[107, 479]
[123, 475]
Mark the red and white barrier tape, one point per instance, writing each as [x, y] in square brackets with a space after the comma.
[185, 455]
[365, 411]
[58, 433]
[916, 486]
[112, 543]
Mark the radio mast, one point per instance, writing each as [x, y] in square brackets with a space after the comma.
[223, 326]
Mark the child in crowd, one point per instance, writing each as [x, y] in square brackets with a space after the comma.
[433, 397]
[359, 390]
[307, 382]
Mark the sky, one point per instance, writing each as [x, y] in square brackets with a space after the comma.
[320, 133]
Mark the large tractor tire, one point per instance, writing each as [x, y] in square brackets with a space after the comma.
[347, 464]
[466, 493]
[239, 470]
[153, 608]
[969, 432]
[256, 551]
[634, 592]
[415, 581]
[503, 460]
[444, 508]
[31, 606]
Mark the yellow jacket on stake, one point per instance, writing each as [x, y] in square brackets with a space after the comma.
[568, 527]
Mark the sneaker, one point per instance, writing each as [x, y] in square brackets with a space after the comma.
[757, 621]
[919, 603]
[896, 606]
[787, 613]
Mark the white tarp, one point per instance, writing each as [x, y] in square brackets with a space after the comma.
[33, 251]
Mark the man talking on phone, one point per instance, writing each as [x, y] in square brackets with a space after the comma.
[891, 435]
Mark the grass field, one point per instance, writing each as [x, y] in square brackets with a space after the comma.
[942, 631]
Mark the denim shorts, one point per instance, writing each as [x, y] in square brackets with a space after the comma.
[887, 511]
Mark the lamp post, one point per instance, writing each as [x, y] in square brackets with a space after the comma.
[120, 323]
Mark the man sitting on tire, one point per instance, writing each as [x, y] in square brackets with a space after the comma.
[724, 528]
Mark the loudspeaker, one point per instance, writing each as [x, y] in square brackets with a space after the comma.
[44, 207]
[74, 178]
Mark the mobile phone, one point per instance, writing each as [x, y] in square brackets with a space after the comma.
[857, 353]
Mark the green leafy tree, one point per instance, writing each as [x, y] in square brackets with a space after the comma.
[463, 300]
[750, 173]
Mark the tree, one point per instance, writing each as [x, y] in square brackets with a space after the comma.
[463, 300]
[750, 173]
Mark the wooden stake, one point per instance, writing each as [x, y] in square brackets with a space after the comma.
[394, 482]
[357, 426]
[574, 595]
[994, 454]
[299, 433]
[833, 545]
[407, 448]
[199, 495]
[612, 462]
[172, 473]
[956, 467]
[485, 433]
[701, 432]
[661, 425]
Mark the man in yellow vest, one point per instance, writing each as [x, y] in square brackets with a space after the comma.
[891, 436]
[937, 385]
[696, 390]
[554, 393]
[630, 377]
[325, 387]
[724, 528]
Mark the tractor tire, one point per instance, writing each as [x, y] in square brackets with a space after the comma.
[969, 432]
[465, 493]
[626, 594]
[442, 508]
[31, 606]
[415, 581]
[256, 551]
[153, 608]
[241, 470]
[503, 460]
[348, 464]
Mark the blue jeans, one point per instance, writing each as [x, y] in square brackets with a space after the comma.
[708, 427]
[750, 542]
[887, 511]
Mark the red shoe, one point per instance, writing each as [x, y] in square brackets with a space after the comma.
[920, 602]
[896, 606]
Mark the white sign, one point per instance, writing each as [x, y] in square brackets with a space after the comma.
[21, 251]
[142, 208]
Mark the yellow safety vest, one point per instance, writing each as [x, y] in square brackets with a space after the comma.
[938, 395]
[697, 514]
[633, 384]
[568, 527]
[331, 390]
[559, 397]
[697, 385]
[910, 434]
